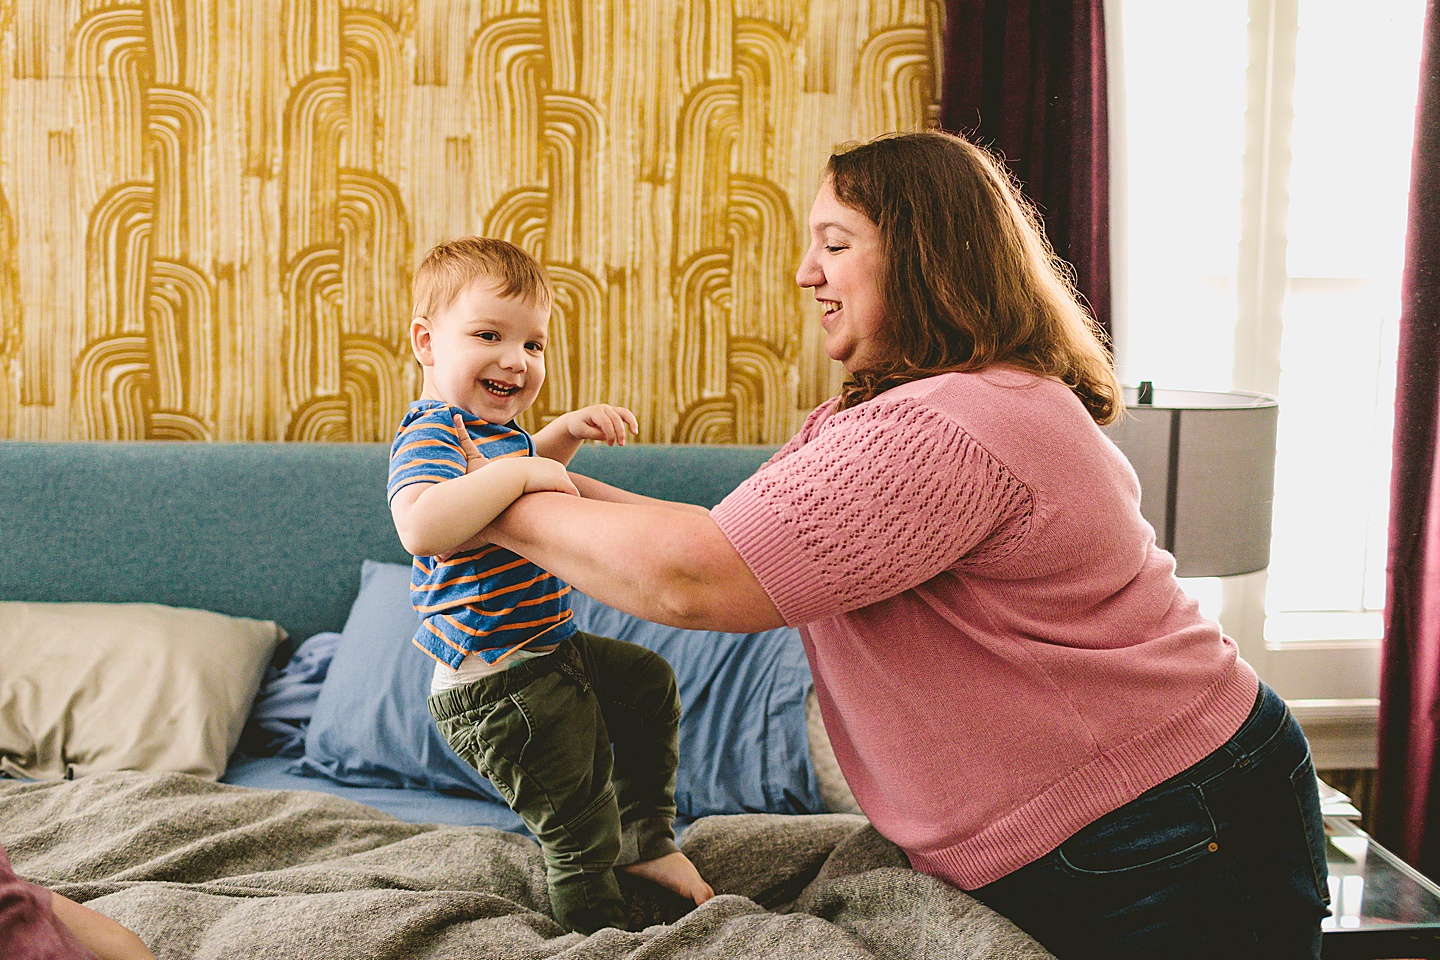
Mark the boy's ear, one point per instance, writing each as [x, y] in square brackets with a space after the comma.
[420, 341]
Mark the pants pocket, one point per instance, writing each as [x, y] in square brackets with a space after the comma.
[1157, 830]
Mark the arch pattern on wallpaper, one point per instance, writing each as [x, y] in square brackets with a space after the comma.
[210, 209]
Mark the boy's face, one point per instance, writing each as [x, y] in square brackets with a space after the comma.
[484, 353]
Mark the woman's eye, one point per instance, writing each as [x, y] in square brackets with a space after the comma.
[833, 248]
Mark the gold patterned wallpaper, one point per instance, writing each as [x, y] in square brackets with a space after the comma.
[209, 209]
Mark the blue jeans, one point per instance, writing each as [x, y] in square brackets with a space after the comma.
[1225, 859]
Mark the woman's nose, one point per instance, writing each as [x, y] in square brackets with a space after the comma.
[809, 274]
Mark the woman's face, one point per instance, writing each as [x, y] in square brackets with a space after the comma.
[844, 266]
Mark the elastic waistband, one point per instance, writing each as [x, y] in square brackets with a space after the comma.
[457, 700]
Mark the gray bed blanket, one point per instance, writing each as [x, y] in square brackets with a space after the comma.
[205, 870]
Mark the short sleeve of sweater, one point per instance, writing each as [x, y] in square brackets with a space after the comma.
[816, 417]
[882, 497]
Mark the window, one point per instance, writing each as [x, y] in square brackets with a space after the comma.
[1261, 155]
[1349, 178]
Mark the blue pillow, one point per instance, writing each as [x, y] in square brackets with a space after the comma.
[282, 710]
[744, 747]
[371, 727]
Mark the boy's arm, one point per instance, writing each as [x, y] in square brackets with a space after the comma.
[436, 518]
[560, 438]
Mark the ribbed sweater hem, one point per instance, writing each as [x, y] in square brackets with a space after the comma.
[1100, 786]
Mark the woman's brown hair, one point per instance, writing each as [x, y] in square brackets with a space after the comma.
[970, 279]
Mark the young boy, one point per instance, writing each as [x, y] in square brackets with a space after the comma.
[520, 693]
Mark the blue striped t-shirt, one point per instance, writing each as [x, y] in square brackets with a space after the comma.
[488, 602]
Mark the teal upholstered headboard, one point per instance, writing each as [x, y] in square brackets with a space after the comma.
[275, 531]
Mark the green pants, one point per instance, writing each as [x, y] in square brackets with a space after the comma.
[542, 733]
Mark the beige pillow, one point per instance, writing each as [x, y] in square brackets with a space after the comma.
[126, 686]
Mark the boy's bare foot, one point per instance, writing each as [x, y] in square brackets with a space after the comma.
[674, 871]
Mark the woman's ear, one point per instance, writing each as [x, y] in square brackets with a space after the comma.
[420, 341]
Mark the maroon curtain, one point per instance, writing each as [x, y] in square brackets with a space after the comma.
[1027, 78]
[1408, 792]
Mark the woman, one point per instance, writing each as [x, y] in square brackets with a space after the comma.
[1018, 692]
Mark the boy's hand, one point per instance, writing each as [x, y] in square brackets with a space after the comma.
[474, 459]
[600, 422]
[545, 474]
[540, 473]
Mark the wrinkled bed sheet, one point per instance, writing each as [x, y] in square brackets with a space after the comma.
[206, 870]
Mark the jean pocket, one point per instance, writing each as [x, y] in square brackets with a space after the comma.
[1163, 829]
[1307, 800]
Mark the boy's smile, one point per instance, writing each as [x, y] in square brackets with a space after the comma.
[484, 353]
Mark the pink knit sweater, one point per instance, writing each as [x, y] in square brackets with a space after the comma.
[1000, 651]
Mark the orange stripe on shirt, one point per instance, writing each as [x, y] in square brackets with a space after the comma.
[536, 637]
[532, 602]
[564, 618]
[422, 423]
[428, 653]
[478, 554]
[479, 576]
[419, 461]
[553, 621]
[450, 428]
[471, 601]
[416, 444]
[444, 639]
[444, 426]
[423, 478]
[511, 588]
[544, 574]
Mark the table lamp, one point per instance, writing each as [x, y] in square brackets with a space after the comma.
[1206, 463]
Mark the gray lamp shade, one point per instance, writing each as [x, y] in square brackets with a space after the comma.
[1206, 463]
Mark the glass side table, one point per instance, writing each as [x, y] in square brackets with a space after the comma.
[1380, 905]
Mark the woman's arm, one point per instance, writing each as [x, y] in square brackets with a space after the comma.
[667, 565]
[599, 490]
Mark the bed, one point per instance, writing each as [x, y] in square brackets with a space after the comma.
[212, 729]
